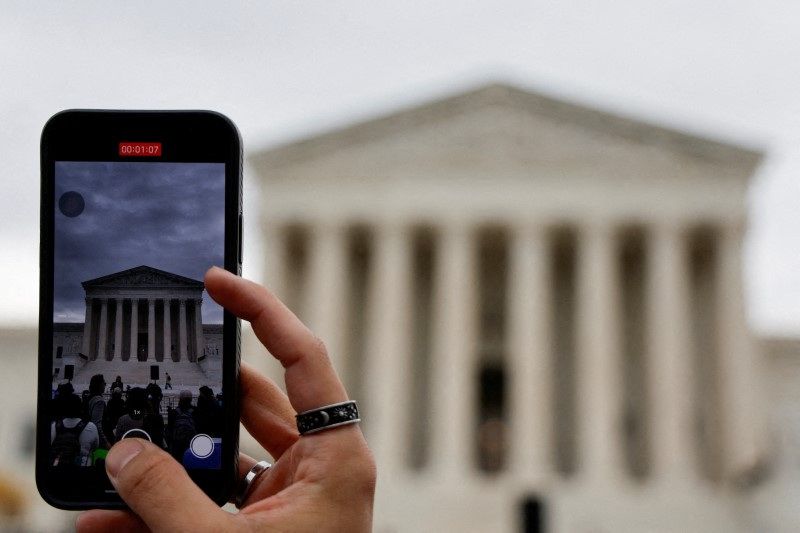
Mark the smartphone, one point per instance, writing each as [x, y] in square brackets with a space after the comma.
[135, 207]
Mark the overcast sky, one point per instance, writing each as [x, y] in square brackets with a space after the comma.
[284, 70]
[168, 216]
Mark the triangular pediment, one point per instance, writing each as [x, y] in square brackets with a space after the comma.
[494, 130]
[144, 277]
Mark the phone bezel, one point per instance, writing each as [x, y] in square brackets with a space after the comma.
[186, 136]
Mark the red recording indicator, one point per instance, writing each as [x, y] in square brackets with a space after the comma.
[140, 149]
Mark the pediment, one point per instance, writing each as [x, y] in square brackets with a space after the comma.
[493, 132]
[142, 277]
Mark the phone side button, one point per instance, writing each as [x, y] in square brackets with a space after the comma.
[241, 234]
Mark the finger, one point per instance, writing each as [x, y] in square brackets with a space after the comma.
[102, 521]
[154, 485]
[311, 380]
[245, 464]
[266, 412]
[259, 489]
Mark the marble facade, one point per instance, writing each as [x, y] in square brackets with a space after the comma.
[539, 307]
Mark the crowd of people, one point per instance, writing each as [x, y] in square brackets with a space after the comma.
[85, 427]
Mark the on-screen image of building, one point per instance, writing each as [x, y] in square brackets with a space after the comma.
[140, 324]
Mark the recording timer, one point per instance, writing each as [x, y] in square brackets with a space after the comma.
[140, 149]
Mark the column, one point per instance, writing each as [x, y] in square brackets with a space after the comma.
[598, 372]
[742, 416]
[669, 364]
[182, 330]
[388, 347]
[167, 331]
[87, 330]
[275, 275]
[326, 302]
[151, 329]
[275, 256]
[118, 331]
[134, 356]
[529, 337]
[198, 329]
[453, 346]
[103, 336]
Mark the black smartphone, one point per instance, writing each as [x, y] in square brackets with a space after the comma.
[135, 207]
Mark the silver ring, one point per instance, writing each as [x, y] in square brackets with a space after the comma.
[246, 485]
[329, 416]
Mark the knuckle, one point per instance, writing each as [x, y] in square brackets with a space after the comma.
[369, 476]
[291, 348]
[312, 349]
[317, 347]
[368, 470]
[361, 467]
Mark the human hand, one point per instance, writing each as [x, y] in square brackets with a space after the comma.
[320, 482]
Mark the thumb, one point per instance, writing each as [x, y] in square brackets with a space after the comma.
[159, 490]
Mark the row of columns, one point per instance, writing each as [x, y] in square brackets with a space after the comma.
[668, 350]
[102, 331]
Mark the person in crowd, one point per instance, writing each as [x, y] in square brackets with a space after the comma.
[72, 439]
[168, 382]
[117, 384]
[154, 393]
[153, 422]
[322, 481]
[136, 404]
[115, 408]
[182, 425]
[207, 415]
[63, 391]
[97, 406]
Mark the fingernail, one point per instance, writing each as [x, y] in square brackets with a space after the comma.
[120, 454]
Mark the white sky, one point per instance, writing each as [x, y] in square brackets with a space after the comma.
[282, 70]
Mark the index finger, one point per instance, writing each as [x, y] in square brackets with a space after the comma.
[311, 380]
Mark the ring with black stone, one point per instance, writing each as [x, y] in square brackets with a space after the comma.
[327, 417]
[246, 485]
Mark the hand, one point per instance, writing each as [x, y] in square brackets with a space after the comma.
[320, 482]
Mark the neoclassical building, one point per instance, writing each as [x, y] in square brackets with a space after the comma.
[136, 320]
[540, 308]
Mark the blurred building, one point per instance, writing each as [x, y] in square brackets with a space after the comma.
[540, 308]
[21, 507]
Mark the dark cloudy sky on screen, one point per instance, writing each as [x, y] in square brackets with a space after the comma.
[168, 216]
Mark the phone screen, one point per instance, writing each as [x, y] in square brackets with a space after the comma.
[137, 348]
